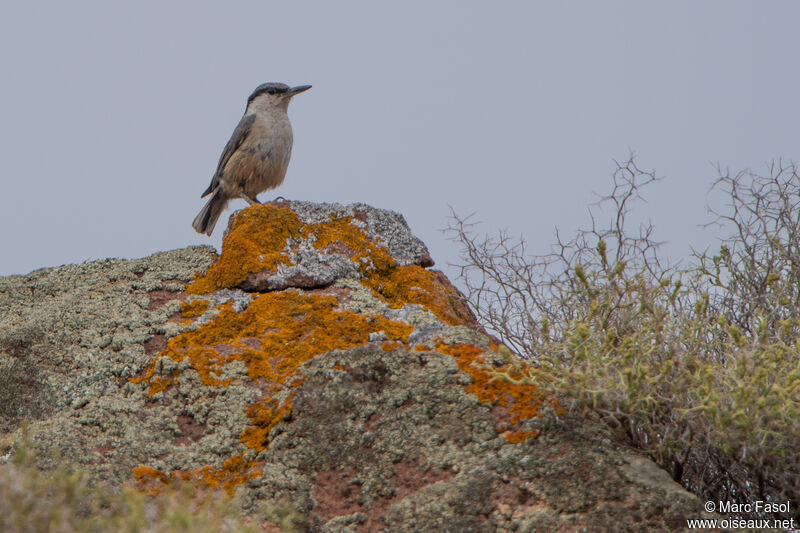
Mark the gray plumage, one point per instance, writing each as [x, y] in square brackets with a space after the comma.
[257, 155]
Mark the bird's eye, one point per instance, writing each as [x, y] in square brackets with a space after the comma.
[271, 91]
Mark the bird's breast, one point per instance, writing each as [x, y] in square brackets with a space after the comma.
[261, 161]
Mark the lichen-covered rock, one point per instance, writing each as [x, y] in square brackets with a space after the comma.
[318, 364]
[311, 246]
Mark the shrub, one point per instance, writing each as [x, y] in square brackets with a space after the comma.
[697, 364]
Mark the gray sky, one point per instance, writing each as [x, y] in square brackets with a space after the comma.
[113, 117]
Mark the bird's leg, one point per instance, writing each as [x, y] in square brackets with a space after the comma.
[250, 200]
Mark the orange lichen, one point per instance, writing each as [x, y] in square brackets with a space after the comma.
[388, 346]
[341, 232]
[416, 285]
[508, 387]
[287, 329]
[261, 235]
[264, 416]
[397, 285]
[150, 480]
[232, 473]
[157, 383]
[273, 337]
[258, 241]
[254, 243]
[194, 308]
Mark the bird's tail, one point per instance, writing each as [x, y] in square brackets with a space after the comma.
[205, 221]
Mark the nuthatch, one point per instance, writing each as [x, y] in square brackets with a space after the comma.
[257, 155]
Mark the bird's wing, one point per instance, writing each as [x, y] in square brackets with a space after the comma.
[239, 135]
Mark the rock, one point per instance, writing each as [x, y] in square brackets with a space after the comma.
[317, 363]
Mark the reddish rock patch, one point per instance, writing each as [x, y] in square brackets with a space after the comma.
[340, 293]
[408, 404]
[511, 492]
[102, 451]
[155, 344]
[191, 430]
[409, 477]
[373, 418]
[336, 493]
[160, 297]
[358, 214]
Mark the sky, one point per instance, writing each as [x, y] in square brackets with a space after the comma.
[113, 115]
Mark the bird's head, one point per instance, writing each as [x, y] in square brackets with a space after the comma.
[272, 95]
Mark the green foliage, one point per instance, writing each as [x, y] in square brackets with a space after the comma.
[63, 500]
[699, 366]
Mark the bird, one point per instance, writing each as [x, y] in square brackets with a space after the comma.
[257, 155]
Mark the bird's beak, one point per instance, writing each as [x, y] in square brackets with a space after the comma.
[297, 90]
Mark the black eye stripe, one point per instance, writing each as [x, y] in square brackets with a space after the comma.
[269, 88]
